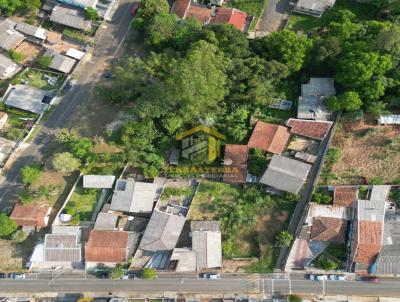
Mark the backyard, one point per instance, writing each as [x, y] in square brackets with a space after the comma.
[251, 7]
[368, 154]
[39, 79]
[250, 221]
[82, 204]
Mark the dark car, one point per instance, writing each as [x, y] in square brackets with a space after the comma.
[134, 9]
[2, 275]
[107, 75]
[371, 279]
[102, 274]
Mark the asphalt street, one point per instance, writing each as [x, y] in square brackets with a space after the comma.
[252, 284]
[108, 42]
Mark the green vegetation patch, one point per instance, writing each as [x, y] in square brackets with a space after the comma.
[36, 78]
[82, 204]
[251, 7]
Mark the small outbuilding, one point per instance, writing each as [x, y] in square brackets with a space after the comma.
[26, 98]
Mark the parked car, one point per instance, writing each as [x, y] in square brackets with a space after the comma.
[129, 277]
[372, 279]
[107, 75]
[2, 275]
[16, 276]
[210, 276]
[134, 8]
[337, 277]
[322, 277]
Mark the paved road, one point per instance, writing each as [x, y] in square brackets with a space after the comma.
[274, 15]
[108, 42]
[252, 284]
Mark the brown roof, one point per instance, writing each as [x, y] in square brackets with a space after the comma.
[201, 13]
[369, 241]
[313, 129]
[106, 246]
[232, 16]
[329, 229]
[180, 7]
[236, 157]
[269, 137]
[29, 215]
[344, 196]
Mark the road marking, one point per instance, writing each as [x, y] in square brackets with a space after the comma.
[253, 284]
[290, 286]
[323, 287]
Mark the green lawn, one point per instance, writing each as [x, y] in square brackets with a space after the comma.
[16, 122]
[35, 78]
[251, 7]
[277, 116]
[82, 204]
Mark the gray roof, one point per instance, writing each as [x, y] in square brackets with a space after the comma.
[62, 248]
[393, 119]
[286, 174]
[133, 197]
[311, 103]
[388, 262]
[80, 3]
[371, 210]
[69, 16]
[162, 232]
[65, 229]
[106, 221]
[391, 229]
[315, 5]
[186, 259]
[62, 63]
[98, 181]
[31, 30]
[9, 37]
[380, 192]
[7, 67]
[207, 245]
[26, 98]
[211, 225]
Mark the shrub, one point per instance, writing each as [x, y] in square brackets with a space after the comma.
[327, 264]
[19, 236]
[7, 225]
[257, 161]
[16, 56]
[149, 273]
[117, 272]
[294, 298]
[91, 14]
[44, 61]
[65, 162]
[283, 239]
[322, 198]
[30, 174]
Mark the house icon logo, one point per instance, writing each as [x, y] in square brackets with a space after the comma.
[201, 144]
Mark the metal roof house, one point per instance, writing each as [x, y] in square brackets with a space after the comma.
[98, 181]
[313, 8]
[133, 196]
[9, 37]
[311, 102]
[26, 98]
[62, 63]
[7, 67]
[286, 174]
[106, 222]
[71, 17]
[33, 31]
[80, 3]
[389, 119]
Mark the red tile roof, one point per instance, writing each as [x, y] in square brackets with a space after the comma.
[344, 196]
[369, 241]
[180, 8]
[313, 129]
[106, 246]
[201, 13]
[29, 215]
[329, 229]
[236, 157]
[269, 137]
[232, 16]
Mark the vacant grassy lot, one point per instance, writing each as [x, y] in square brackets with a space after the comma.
[261, 218]
[368, 152]
[82, 204]
[35, 78]
[251, 7]
[17, 122]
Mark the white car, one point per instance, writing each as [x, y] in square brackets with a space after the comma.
[338, 277]
[322, 277]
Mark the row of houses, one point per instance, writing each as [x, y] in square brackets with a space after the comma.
[294, 146]
[136, 227]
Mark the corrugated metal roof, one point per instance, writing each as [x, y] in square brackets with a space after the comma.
[316, 5]
[323, 210]
[62, 248]
[98, 181]
[71, 17]
[371, 210]
[389, 119]
[26, 98]
[31, 30]
[7, 66]
[286, 174]
[106, 221]
[186, 259]
[9, 37]
[207, 245]
[62, 63]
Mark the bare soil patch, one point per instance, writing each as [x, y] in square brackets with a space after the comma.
[30, 51]
[369, 152]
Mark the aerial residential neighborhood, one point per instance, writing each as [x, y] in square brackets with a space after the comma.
[182, 150]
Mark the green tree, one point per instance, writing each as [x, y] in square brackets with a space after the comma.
[284, 238]
[295, 298]
[44, 61]
[286, 47]
[7, 225]
[8, 7]
[19, 236]
[189, 31]
[377, 109]
[91, 14]
[16, 56]
[349, 101]
[231, 41]
[326, 263]
[147, 11]
[257, 162]
[67, 137]
[117, 272]
[321, 198]
[30, 174]
[160, 30]
[82, 148]
[149, 274]
[65, 162]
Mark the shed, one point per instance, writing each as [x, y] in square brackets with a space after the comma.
[9, 37]
[74, 53]
[106, 222]
[71, 17]
[62, 63]
[98, 181]
[31, 215]
[26, 98]
[33, 31]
